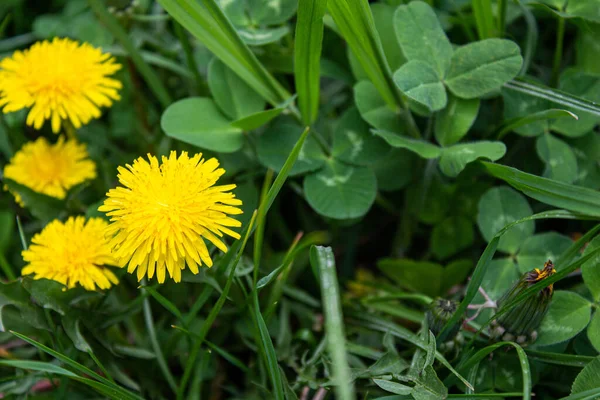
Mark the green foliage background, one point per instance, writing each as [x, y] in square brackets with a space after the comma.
[435, 147]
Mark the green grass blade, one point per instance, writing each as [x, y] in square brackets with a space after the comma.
[222, 352]
[260, 226]
[484, 18]
[267, 350]
[323, 259]
[123, 393]
[37, 366]
[514, 123]
[121, 35]
[354, 21]
[206, 21]
[569, 360]
[554, 193]
[307, 57]
[189, 366]
[483, 353]
[554, 95]
[160, 357]
[166, 303]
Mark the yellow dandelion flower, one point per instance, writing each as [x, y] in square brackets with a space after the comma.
[73, 252]
[162, 214]
[59, 80]
[51, 169]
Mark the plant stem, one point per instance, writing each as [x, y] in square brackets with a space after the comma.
[160, 358]
[558, 52]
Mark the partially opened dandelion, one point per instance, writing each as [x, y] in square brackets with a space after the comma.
[163, 213]
[74, 252]
[59, 80]
[51, 169]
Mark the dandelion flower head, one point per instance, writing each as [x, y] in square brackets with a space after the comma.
[59, 80]
[163, 213]
[51, 169]
[73, 252]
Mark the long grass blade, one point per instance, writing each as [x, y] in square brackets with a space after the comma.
[307, 57]
[102, 382]
[207, 22]
[558, 194]
[554, 95]
[323, 259]
[568, 360]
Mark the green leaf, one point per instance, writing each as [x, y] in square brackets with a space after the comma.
[354, 143]
[499, 277]
[51, 294]
[451, 236]
[419, 81]
[421, 36]
[261, 118]
[261, 36]
[423, 149]
[166, 303]
[558, 194]
[454, 121]
[208, 23]
[373, 108]
[593, 331]
[275, 144]
[588, 378]
[538, 249]
[484, 19]
[392, 387]
[233, 96]
[499, 207]
[586, 148]
[308, 43]
[136, 352]
[570, 360]
[13, 294]
[535, 123]
[525, 114]
[323, 259]
[561, 164]
[428, 386]
[591, 269]
[480, 67]
[73, 330]
[568, 315]
[198, 121]
[455, 158]
[341, 191]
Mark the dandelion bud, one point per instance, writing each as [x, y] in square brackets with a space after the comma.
[440, 311]
[520, 323]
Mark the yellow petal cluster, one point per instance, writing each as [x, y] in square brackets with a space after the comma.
[162, 214]
[51, 169]
[73, 252]
[58, 80]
